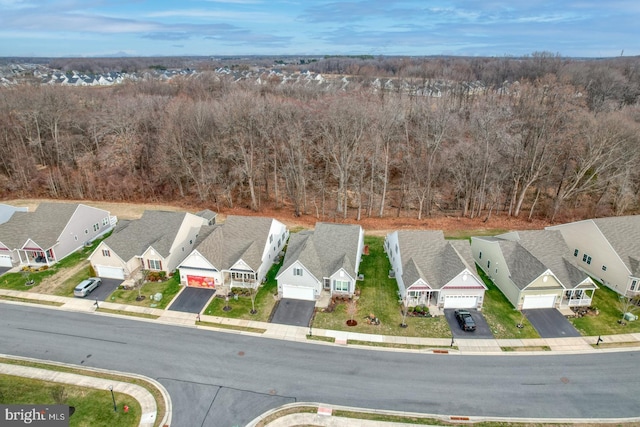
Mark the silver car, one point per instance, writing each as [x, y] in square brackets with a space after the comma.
[86, 287]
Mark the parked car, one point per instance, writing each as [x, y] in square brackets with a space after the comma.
[465, 320]
[87, 286]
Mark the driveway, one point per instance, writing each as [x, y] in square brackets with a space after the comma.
[293, 312]
[483, 331]
[4, 270]
[192, 300]
[103, 291]
[550, 323]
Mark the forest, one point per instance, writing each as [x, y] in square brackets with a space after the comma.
[535, 137]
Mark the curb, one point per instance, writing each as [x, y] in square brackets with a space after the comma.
[166, 419]
[446, 418]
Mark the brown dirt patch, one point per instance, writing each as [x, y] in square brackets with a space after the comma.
[373, 225]
[50, 285]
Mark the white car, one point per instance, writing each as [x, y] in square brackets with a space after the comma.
[87, 286]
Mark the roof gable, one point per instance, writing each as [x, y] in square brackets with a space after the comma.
[43, 226]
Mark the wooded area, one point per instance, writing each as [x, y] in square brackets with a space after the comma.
[541, 137]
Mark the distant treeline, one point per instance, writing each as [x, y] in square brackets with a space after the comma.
[543, 137]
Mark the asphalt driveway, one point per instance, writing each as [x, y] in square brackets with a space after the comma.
[192, 300]
[4, 270]
[103, 291]
[550, 323]
[293, 312]
[483, 331]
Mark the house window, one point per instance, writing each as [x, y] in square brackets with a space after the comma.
[634, 283]
[584, 258]
[105, 221]
[480, 255]
[242, 276]
[106, 252]
[271, 238]
[297, 272]
[86, 231]
[396, 248]
[327, 283]
[604, 268]
[75, 238]
[341, 286]
[191, 242]
[154, 264]
[575, 252]
[488, 264]
[588, 260]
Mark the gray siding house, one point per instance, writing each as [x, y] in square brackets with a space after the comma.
[608, 249]
[432, 271]
[51, 232]
[324, 259]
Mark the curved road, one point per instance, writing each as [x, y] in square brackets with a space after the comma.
[225, 379]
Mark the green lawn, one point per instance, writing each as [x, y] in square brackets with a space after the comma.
[606, 322]
[66, 288]
[92, 407]
[17, 281]
[241, 307]
[378, 296]
[501, 316]
[168, 289]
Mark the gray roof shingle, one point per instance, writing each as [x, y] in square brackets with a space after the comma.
[428, 256]
[325, 250]
[239, 237]
[43, 226]
[623, 233]
[154, 228]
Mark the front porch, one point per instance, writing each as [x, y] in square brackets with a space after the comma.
[577, 298]
[415, 298]
[36, 258]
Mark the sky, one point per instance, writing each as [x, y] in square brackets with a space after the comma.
[87, 28]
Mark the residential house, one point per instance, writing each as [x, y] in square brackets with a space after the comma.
[533, 269]
[157, 241]
[50, 233]
[326, 258]
[608, 249]
[432, 271]
[235, 254]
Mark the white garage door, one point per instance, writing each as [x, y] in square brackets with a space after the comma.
[110, 272]
[539, 301]
[5, 261]
[297, 292]
[460, 301]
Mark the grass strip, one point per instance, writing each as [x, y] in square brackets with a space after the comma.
[150, 387]
[32, 301]
[320, 338]
[232, 327]
[127, 313]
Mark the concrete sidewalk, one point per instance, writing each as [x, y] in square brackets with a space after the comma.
[296, 333]
[149, 409]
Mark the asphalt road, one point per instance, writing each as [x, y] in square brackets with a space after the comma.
[224, 379]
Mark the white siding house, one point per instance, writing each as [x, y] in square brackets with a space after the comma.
[326, 258]
[237, 253]
[430, 270]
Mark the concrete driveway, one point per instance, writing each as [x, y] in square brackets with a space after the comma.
[483, 331]
[192, 300]
[550, 323]
[103, 291]
[293, 312]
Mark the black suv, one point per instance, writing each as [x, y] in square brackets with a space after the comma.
[465, 320]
